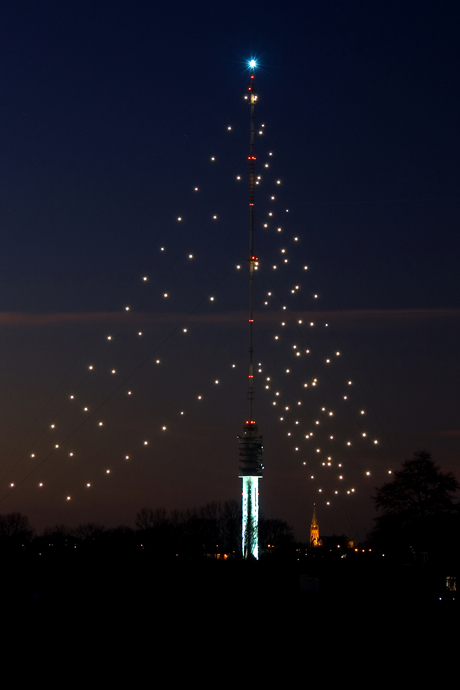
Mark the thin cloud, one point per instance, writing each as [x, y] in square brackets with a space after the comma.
[361, 316]
[448, 433]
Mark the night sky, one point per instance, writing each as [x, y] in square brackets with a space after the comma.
[112, 113]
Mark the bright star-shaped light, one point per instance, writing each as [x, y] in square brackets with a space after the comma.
[252, 64]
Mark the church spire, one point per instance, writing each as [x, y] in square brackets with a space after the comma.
[314, 529]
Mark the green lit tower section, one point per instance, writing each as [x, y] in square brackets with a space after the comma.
[250, 443]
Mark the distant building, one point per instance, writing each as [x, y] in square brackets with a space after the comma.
[314, 530]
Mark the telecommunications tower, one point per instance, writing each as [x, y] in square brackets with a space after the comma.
[250, 443]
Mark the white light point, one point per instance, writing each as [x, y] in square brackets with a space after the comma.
[184, 330]
[40, 484]
[157, 361]
[238, 177]
[229, 128]
[101, 423]
[196, 189]
[211, 299]
[127, 308]
[68, 498]
[139, 333]
[163, 428]
[72, 397]
[114, 371]
[107, 471]
[146, 443]
[109, 337]
[88, 484]
[129, 392]
[213, 158]
[190, 256]
[145, 278]
[90, 366]
[179, 218]
[165, 294]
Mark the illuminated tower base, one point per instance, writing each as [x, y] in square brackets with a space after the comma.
[251, 469]
[250, 520]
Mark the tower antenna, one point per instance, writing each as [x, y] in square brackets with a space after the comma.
[250, 443]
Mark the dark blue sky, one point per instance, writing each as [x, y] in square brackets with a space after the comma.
[110, 114]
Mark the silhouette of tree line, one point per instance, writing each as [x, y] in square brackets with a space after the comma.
[213, 530]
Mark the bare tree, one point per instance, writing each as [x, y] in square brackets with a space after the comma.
[15, 529]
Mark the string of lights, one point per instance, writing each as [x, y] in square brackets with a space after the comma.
[105, 414]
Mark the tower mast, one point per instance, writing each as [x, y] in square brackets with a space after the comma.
[250, 443]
